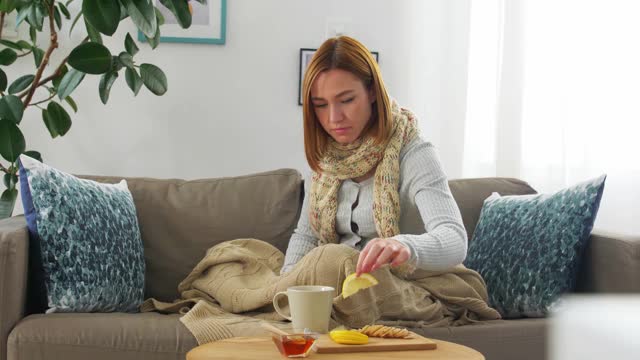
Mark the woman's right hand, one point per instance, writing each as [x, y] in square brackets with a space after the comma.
[381, 251]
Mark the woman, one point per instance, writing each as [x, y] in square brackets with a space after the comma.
[373, 177]
[375, 187]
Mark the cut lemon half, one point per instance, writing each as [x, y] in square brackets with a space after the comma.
[353, 284]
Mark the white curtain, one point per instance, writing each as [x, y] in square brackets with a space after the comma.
[553, 98]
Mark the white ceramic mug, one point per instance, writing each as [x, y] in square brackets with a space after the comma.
[310, 307]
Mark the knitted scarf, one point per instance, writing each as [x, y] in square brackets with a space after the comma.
[342, 162]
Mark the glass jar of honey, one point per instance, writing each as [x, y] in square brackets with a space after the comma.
[294, 345]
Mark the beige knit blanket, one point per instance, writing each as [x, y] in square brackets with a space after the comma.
[231, 290]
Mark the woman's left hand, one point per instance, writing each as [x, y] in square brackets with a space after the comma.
[381, 251]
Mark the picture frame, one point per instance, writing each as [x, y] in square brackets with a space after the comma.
[305, 57]
[209, 24]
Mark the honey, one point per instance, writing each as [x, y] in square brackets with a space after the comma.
[295, 345]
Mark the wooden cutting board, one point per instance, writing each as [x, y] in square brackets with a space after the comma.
[324, 344]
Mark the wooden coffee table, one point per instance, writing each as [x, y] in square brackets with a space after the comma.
[250, 348]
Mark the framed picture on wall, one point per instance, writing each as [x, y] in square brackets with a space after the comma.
[208, 23]
[305, 59]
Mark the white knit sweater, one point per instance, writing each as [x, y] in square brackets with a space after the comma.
[430, 221]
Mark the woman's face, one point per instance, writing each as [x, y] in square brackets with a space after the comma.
[342, 104]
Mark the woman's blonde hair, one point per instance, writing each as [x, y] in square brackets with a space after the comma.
[347, 54]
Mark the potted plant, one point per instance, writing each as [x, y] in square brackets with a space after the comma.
[50, 92]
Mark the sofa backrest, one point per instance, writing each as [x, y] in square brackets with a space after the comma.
[179, 220]
[470, 195]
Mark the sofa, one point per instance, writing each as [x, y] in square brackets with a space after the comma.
[180, 219]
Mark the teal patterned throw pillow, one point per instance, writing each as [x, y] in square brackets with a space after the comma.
[528, 247]
[89, 242]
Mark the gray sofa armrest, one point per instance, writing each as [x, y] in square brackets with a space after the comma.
[14, 249]
[611, 264]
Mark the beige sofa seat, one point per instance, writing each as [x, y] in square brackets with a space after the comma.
[522, 339]
[119, 336]
[156, 336]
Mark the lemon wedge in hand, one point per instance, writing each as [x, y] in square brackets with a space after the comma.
[353, 284]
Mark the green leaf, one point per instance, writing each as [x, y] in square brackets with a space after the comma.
[41, 12]
[143, 15]
[7, 57]
[71, 103]
[94, 34]
[64, 10]
[153, 78]
[91, 58]
[24, 45]
[57, 18]
[75, 21]
[34, 155]
[10, 181]
[126, 59]
[12, 142]
[133, 80]
[36, 15]
[22, 14]
[155, 40]
[11, 108]
[56, 119]
[21, 83]
[123, 12]
[3, 80]
[130, 45]
[10, 44]
[9, 194]
[69, 82]
[159, 17]
[104, 15]
[106, 81]
[38, 55]
[7, 203]
[49, 123]
[32, 16]
[116, 64]
[33, 34]
[58, 79]
[179, 8]
[8, 5]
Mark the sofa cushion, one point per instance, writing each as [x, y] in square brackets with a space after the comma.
[179, 220]
[119, 336]
[528, 248]
[522, 339]
[88, 238]
[470, 194]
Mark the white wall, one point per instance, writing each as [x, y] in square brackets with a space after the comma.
[232, 109]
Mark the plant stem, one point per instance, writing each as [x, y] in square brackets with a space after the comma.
[47, 79]
[25, 54]
[4, 169]
[43, 101]
[45, 60]
[55, 74]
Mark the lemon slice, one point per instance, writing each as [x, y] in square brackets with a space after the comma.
[353, 284]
